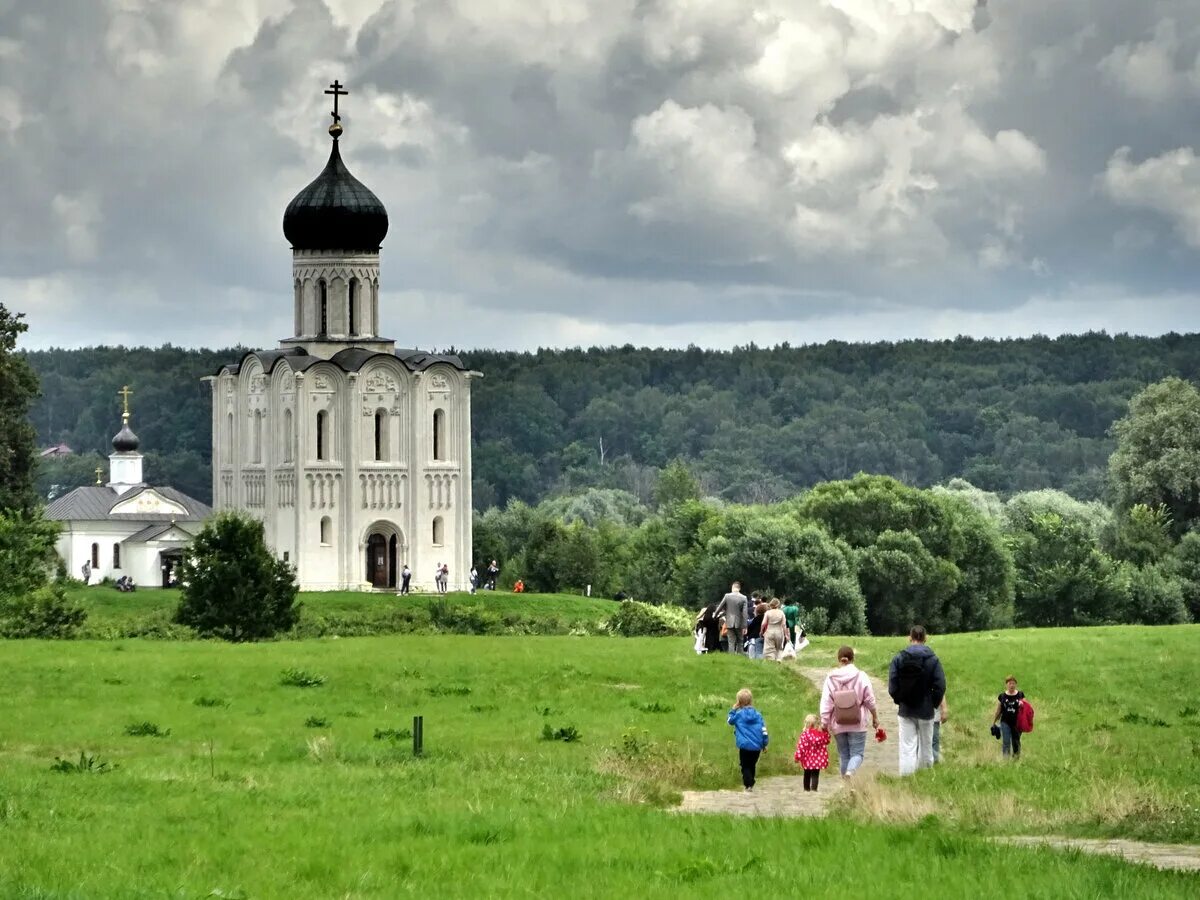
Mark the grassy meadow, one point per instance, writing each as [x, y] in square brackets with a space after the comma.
[225, 781]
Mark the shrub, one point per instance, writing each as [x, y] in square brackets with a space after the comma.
[393, 734]
[45, 613]
[316, 722]
[233, 588]
[210, 702]
[145, 729]
[87, 764]
[568, 734]
[635, 619]
[300, 678]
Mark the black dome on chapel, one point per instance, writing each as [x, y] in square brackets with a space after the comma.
[335, 212]
[125, 441]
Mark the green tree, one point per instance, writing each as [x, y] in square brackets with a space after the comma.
[30, 605]
[1140, 535]
[959, 579]
[1063, 578]
[1153, 595]
[676, 484]
[1186, 564]
[233, 588]
[18, 390]
[1157, 460]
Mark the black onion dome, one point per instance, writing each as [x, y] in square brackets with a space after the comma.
[335, 212]
[125, 441]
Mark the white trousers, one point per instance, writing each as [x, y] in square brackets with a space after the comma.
[916, 744]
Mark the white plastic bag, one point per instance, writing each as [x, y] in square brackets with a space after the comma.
[789, 651]
[699, 641]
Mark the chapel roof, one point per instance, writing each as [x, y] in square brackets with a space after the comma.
[94, 503]
[150, 532]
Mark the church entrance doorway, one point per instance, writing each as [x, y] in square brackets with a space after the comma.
[384, 555]
[171, 560]
[377, 561]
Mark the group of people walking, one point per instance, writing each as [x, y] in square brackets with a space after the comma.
[757, 627]
[848, 713]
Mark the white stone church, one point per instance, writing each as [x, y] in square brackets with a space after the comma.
[356, 455]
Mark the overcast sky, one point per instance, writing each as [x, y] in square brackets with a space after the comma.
[562, 173]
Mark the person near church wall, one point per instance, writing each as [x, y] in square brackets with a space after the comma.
[493, 570]
[405, 578]
[474, 579]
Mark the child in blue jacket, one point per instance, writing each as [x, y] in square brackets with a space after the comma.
[749, 733]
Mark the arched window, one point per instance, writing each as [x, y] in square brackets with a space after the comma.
[381, 428]
[321, 448]
[228, 440]
[95, 556]
[439, 434]
[439, 532]
[257, 437]
[326, 530]
[298, 308]
[323, 289]
[353, 294]
[116, 556]
[287, 435]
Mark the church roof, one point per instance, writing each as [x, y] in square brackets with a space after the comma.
[335, 212]
[351, 359]
[94, 503]
[150, 532]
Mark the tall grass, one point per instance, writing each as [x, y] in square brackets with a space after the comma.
[242, 798]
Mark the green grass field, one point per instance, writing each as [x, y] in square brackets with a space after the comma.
[262, 789]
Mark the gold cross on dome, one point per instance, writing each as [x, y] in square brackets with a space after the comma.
[125, 393]
[99, 472]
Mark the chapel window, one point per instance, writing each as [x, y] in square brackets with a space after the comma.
[439, 434]
[116, 556]
[326, 531]
[353, 305]
[439, 532]
[95, 556]
[324, 323]
[321, 448]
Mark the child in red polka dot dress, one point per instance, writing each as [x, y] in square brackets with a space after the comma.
[812, 752]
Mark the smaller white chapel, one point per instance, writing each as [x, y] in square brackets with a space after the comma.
[126, 527]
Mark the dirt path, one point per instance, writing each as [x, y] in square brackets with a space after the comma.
[785, 795]
[1184, 857]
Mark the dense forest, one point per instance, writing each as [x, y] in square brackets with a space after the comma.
[753, 425]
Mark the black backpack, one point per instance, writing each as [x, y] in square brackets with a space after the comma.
[912, 684]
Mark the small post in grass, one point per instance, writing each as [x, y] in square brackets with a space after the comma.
[418, 735]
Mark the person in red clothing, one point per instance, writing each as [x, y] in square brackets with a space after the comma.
[812, 752]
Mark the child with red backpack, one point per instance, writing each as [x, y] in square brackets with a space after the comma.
[812, 752]
[1013, 717]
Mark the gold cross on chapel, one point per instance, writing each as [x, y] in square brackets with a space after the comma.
[125, 393]
[99, 472]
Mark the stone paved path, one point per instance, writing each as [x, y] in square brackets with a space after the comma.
[785, 795]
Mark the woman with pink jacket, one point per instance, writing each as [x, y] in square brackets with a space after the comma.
[846, 699]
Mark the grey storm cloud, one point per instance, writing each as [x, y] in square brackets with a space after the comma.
[652, 171]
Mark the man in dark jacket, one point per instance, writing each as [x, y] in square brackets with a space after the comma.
[917, 683]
